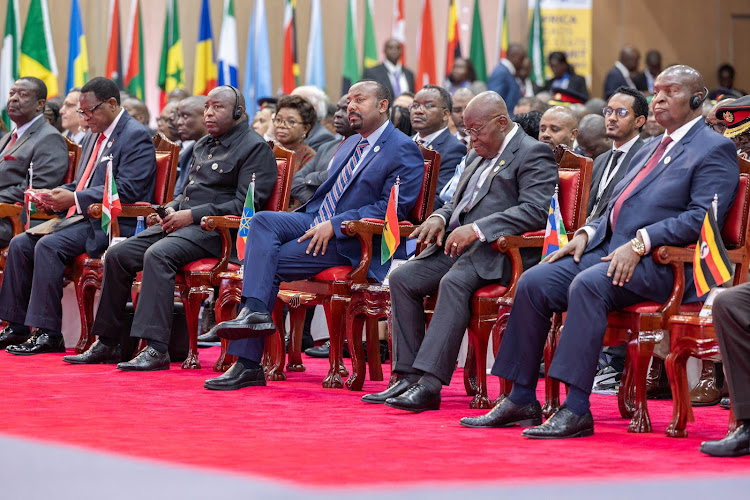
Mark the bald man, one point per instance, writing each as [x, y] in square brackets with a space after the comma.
[592, 136]
[622, 72]
[559, 125]
[503, 78]
[190, 128]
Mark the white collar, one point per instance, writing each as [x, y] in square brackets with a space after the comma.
[507, 139]
[373, 138]
[392, 68]
[505, 62]
[427, 140]
[621, 67]
[111, 128]
[626, 147]
[678, 134]
[23, 128]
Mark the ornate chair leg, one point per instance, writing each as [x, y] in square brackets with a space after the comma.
[640, 354]
[225, 309]
[479, 338]
[355, 320]
[682, 411]
[551, 386]
[335, 308]
[470, 370]
[275, 346]
[374, 367]
[191, 301]
[296, 327]
[389, 322]
[85, 292]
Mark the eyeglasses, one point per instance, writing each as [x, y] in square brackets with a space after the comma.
[280, 122]
[428, 106]
[88, 113]
[621, 112]
[719, 127]
[474, 132]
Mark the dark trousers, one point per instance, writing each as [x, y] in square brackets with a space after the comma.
[435, 350]
[33, 278]
[273, 255]
[731, 313]
[159, 257]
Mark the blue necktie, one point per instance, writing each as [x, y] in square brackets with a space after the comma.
[328, 208]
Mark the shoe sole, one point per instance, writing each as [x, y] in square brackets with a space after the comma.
[579, 434]
[33, 353]
[738, 453]
[413, 410]
[529, 422]
[710, 403]
[77, 362]
[245, 332]
[129, 369]
[254, 383]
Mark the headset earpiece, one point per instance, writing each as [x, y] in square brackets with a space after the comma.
[697, 100]
[237, 112]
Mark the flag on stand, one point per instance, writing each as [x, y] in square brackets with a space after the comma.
[135, 82]
[370, 50]
[247, 212]
[289, 63]
[398, 31]
[229, 58]
[113, 68]
[711, 265]
[28, 204]
[391, 237]
[554, 235]
[315, 72]
[206, 73]
[9, 57]
[78, 59]
[536, 45]
[426, 73]
[111, 206]
[503, 32]
[257, 59]
[453, 51]
[476, 54]
[171, 66]
[350, 71]
[37, 51]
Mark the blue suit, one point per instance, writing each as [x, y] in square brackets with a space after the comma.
[502, 82]
[670, 204]
[272, 253]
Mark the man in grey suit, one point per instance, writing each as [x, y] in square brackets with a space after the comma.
[505, 190]
[33, 140]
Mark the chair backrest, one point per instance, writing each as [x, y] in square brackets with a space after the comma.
[74, 155]
[285, 163]
[574, 172]
[167, 158]
[734, 230]
[426, 200]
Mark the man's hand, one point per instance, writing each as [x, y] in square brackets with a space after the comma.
[430, 230]
[57, 200]
[575, 247]
[321, 235]
[177, 220]
[622, 263]
[459, 239]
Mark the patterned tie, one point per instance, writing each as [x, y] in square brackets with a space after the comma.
[13, 139]
[86, 173]
[328, 208]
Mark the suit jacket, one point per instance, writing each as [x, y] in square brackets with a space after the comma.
[613, 80]
[640, 81]
[309, 178]
[451, 151]
[505, 84]
[600, 165]
[671, 203]
[379, 73]
[513, 199]
[318, 136]
[369, 189]
[576, 83]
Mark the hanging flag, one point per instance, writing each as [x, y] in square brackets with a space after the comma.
[37, 50]
[391, 237]
[78, 59]
[350, 74]
[111, 206]
[315, 72]
[229, 58]
[9, 57]
[426, 73]
[257, 60]
[171, 75]
[289, 64]
[476, 54]
[453, 50]
[711, 265]
[206, 74]
[503, 32]
[398, 32]
[247, 212]
[113, 67]
[554, 235]
[536, 45]
[370, 51]
[135, 82]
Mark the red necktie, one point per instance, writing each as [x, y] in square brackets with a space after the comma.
[86, 173]
[652, 163]
[13, 139]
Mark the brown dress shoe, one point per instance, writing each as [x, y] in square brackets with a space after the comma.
[706, 392]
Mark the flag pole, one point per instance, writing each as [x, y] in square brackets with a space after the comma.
[715, 206]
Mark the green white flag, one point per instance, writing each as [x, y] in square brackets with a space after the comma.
[476, 54]
[9, 57]
[536, 45]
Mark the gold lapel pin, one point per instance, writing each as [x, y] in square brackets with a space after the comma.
[502, 162]
[667, 160]
[376, 148]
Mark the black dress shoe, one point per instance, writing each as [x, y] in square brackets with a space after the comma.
[507, 414]
[562, 424]
[724, 403]
[209, 336]
[736, 444]
[236, 377]
[8, 336]
[148, 360]
[37, 344]
[416, 398]
[322, 351]
[247, 324]
[98, 353]
[396, 389]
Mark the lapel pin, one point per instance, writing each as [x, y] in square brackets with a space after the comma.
[502, 162]
[376, 148]
[110, 144]
[214, 166]
[667, 160]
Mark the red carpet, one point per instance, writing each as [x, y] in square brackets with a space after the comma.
[295, 431]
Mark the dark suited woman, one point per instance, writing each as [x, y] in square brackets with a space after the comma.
[564, 75]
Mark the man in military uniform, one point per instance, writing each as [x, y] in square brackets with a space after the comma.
[736, 115]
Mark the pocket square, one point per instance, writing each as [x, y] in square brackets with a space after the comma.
[9, 158]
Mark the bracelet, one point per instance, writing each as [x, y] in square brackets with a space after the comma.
[638, 246]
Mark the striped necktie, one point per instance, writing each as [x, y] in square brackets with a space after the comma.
[328, 208]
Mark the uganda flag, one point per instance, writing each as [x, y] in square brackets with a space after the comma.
[391, 237]
[711, 265]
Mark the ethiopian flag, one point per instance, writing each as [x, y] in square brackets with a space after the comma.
[711, 265]
[391, 237]
[37, 50]
[111, 206]
[171, 66]
[554, 235]
[206, 73]
[247, 212]
[134, 74]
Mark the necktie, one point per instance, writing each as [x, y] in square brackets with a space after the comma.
[468, 195]
[328, 208]
[86, 173]
[13, 139]
[652, 163]
[396, 84]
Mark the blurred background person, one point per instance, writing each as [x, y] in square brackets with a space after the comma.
[564, 76]
[463, 75]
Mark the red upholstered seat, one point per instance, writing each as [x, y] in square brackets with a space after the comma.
[337, 273]
[732, 230]
[205, 265]
[652, 307]
[490, 291]
[534, 234]
[163, 172]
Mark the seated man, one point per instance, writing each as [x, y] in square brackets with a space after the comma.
[32, 288]
[32, 141]
[559, 125]
[461, 98]
[661, 201]
[190, 127]
[736, 116]
[223, 165]
[505, 190]
[364, 169]
[592, 136]
[71, 123]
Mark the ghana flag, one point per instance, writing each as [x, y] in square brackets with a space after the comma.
[391, 237]
[711, 265]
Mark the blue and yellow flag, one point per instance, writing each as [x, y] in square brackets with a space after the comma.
[206, 72]
[78, 59]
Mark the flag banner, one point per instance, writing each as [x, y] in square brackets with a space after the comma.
[453, 50]
[113, 67]
[171, 75]
[315, 71]
[37, 51]
[111, 206]
[9, 57]
[350, 70]
[135, 82]
[206, 73]
[78, 59]
[426, 73]
[391, 237]
[289, 63]
[398, 31]
[711, 265]
[503, 31]
[476, 52]
[555, 236]
[247, 212]
[370, 51]
[257, 60]
[536, 45]
[229, 59]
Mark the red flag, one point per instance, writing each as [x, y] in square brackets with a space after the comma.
[426, 67]
[398, 32]
[113, 68]
[453, 50]
[290, 66]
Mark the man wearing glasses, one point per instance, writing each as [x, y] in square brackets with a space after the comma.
[504, 190]
[32, 288]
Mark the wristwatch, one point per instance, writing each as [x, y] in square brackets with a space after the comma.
[638, 246]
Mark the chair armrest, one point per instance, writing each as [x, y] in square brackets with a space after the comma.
[222, 225]
[511, 246]
[13, 214]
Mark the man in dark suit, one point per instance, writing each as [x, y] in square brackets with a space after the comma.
[645, 79]
[504, 191]
[503, 78]
[662, 200]
[33, 140]
[620, 74]
[429, 116]
[396, 78]
[298, 245]
[190, 127]
[32, 288]
[220, 174]
[564, 76]
[318, 134]
[592, 136]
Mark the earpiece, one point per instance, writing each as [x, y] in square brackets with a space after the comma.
[237, 112]
[697, 100]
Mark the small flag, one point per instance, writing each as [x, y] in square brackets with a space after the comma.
[426, 73]
[536, 45]
[28, 204]
[370, 50]
[503, 32]
[113, 68]
[289, 63]
[350, 71]
[78, 59]
[554, 235]
[476, 52]
[315, 71]
[398, 31]
[247, 212]
[711, 265]
[391, 237]
[134, 74]
[229, 58]
[9, 57]
[257, 60]
[453, 51]
[171, 66]
[37, 51]
[111, 206]
[206, 74]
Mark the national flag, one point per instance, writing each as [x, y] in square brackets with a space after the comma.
[206, 73]
[289, 63]
[711, 265]
[28, 205]
[350, 71]
[426, 73]
[247, 212]
[37, 51]
[135, 82]
[9, 57]
[111, 206]
[503, 32]
[229, 58]
[315, 72]
[391, 237]
[370, 50]
[453, 50]
[555, 236]
[536, 45]
[113, 68]
[476, 54]
[171, 66]
[78, 58]
[257, 59]
[398, 31]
